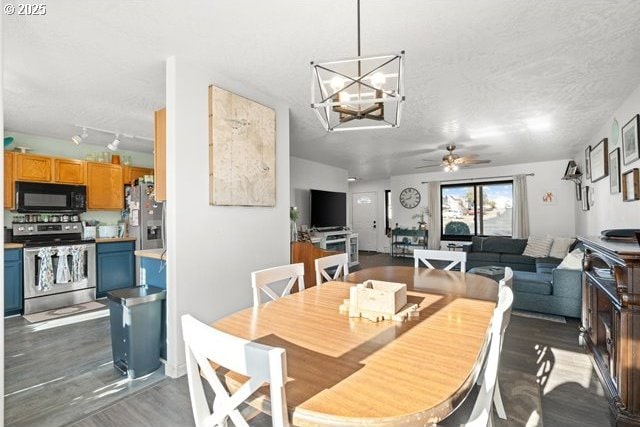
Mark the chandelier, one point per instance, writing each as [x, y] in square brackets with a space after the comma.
[358, 93]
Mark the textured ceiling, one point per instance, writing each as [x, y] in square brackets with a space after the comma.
[470, 65]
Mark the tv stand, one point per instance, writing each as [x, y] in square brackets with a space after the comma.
[323, 229]
[339, 241]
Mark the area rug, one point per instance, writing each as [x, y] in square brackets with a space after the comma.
[65, 311]
[542, 316]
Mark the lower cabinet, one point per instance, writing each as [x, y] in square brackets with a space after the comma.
[115, 267]
[12, 281]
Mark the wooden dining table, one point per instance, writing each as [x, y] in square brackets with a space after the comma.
[346, 371]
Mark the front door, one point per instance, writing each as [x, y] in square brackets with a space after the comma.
[364, 207]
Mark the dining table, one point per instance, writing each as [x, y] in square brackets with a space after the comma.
[348, 371]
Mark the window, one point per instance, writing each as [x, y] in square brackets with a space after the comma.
[476, 209]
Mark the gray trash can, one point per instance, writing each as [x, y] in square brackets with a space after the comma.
[135, 329]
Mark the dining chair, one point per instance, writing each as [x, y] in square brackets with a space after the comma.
[340, 261]
[261, 363]
[454, 257]
[263, 280]
[507, 280]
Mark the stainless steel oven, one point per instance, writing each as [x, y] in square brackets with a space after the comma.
[43, 197]
[59, 266]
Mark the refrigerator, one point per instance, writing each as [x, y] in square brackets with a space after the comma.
[144, 217]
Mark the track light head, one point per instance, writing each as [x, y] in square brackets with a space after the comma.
[113, 146]
[77, 139]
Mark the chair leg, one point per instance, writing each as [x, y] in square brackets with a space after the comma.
[497, 401]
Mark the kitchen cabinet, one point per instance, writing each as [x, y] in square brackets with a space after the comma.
[8, 180]
[160, 154]
[12, 281]
[133, 172]
[105, 188]
[69, 171]
[115, 267]
[33, 168]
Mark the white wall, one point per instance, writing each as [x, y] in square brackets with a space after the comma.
[307, 175]
[609, 211]
[379, 187]
[558, 220]
[212, 250]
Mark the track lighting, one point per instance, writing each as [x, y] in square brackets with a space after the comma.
[77, 139]
[113, 146]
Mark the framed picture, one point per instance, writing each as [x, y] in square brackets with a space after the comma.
[630, 140]
[585, 198]
[614, 171]
[599, 161]
[587, 162]
[549, 198]
[631, 185]
[578, 191]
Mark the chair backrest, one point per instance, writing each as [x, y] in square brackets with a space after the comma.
[507, 280]
[455, 257]
[340, 261]
[262, 280]
[481, 412]
[261, 363]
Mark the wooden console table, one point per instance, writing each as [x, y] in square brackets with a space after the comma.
[610, 328]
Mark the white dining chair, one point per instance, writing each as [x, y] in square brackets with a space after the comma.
[454, 257]
[261, 363]
[262, 281]
[339, 261]
[507, 280]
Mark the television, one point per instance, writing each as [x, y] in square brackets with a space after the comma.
[328, 209]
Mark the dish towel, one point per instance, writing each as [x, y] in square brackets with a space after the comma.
[45, 280]
[63, 275]
[77, 263]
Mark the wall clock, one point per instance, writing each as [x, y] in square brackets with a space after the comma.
[410, 198]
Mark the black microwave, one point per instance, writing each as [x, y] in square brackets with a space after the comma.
[42, 197]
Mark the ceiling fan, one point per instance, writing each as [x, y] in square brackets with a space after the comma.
[451, 161]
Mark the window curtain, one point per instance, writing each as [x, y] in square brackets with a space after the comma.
[520, 207]
[434, 219]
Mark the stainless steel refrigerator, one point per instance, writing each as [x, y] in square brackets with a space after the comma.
[144, 217]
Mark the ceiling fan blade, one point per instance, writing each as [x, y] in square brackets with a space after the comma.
[429, 166]
[475, 162]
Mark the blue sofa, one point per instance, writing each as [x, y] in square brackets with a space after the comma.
[537, 284]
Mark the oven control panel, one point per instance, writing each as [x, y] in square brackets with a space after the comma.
[44, 228]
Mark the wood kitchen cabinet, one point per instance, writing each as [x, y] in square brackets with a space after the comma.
[160, 154]
[69, 171]
[105, 189]
[133, 172]
[8, 180]
[33, 168]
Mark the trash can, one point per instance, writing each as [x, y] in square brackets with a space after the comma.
[135, 329]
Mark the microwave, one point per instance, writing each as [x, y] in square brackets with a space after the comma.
[39, 197]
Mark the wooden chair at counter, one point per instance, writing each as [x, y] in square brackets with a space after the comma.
[339, 261]
[261, 363]
[455, 258]
[262, 280]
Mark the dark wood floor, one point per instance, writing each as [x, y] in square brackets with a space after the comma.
[571, 392]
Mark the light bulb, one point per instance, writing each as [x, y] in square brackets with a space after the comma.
[378, 80]
[344, 97]
[337, 83]
[454, 168]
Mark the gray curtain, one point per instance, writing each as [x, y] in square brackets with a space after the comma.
[520, 207]
[434, 219]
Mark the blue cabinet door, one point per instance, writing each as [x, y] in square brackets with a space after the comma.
[12, 281]
[115, 267]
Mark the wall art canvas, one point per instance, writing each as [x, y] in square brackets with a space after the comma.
[630, 140]
[242, 151]
[585, 198]
[549, 198]
[599, 161]
[614, 171]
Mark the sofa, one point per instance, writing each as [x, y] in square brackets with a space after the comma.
[538, 285]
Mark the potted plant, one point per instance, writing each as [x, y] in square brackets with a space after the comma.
[293, 216]
[423, 218]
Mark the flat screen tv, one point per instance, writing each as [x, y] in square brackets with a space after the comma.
[328, 209]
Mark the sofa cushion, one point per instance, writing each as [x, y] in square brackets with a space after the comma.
[532, 283]
[505, 245]
[476, 243]
[573, 260]
[546, 265]
[538, 247]
[487, 257]
[517, 259]
[560, 246]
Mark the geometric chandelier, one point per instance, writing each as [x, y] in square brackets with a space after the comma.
[358, 93]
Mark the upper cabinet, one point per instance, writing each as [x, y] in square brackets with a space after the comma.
[133, 172]
[105, 188]
[69, 171]
[33, 168]
[160, 154]
[8, 179]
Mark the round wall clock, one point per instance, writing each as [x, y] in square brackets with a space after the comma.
[615, 133]
[410, 198]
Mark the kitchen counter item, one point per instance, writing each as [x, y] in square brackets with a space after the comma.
[75, 218]
[115, 159]
[108, 231]
[54, 218]
[89, 232]
[64, 218]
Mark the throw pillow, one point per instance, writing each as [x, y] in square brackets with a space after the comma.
[538, 247]
[573, 261]
[560, 247]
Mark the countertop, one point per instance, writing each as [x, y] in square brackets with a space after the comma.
[114, 239]
[152, 253]
[617, 247]
[13, 245]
